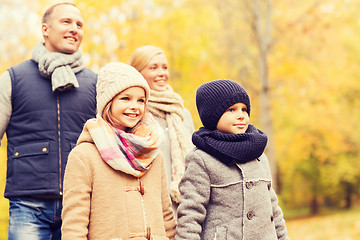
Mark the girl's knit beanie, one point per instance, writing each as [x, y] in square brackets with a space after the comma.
[142, 56]
[114, 78]
[215, 97]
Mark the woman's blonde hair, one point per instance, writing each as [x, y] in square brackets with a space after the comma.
[142, 56]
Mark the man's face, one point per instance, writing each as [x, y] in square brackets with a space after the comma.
[63, 32]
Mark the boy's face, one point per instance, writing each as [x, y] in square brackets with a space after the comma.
[235, 119]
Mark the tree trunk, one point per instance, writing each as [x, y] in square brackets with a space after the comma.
[263, 39]
[314, 205]
[348, 194]
[234, 50]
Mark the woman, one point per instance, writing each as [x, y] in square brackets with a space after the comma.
[168, 109]
[115, 182]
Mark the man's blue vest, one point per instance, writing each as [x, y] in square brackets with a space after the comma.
[43, 128]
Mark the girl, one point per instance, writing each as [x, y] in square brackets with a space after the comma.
[115, 182]
[226, 190]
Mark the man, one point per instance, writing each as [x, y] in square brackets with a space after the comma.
[44, 103]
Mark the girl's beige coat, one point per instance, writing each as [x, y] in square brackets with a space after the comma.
[105, 204]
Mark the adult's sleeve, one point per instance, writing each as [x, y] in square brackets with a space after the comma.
[5, 102]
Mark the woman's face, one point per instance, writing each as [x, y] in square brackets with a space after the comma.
[156, 73]
[128, 107]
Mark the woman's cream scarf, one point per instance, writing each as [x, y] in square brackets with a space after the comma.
[169, 106]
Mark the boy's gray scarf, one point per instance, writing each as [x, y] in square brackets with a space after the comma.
[58, 67]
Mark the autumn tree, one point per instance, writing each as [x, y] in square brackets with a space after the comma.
[315, 76]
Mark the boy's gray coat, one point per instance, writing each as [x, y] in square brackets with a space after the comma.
[228, 203]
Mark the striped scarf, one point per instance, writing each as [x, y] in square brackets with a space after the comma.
[132, 153]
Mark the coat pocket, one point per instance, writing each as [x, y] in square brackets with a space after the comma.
[31, 149]
[31, 165]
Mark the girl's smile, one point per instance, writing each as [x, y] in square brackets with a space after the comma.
[128, 107]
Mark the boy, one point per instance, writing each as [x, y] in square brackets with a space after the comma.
[226, 190]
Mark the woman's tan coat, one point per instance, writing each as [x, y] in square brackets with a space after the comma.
[102, 203]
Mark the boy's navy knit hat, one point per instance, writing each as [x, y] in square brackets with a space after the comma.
[215, 97]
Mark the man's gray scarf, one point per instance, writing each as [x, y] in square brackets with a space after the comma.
[59, 67]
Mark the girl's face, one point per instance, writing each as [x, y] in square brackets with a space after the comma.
[156, 73]
[128, 107]
[235, 119]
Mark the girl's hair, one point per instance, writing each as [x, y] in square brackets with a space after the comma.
[107, 116]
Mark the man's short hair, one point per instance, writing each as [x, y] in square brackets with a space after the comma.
[49, 11]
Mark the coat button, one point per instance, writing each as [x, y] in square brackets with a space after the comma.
[148, 233]
[272, 218]
[16, 154]
[249, 185]
[141, 188]
[250, 215]
[44, 150]
[269, 186]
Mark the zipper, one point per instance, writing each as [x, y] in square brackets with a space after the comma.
[59, 139]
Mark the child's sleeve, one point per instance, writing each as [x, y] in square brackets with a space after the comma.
[76, 199]
[195, 193]
[168, 214]
[279, 221]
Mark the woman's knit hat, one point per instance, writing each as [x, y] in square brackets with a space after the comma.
[142, 56]
[215, 97]
[114, 78]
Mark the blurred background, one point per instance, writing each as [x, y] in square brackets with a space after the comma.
[299, 61]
